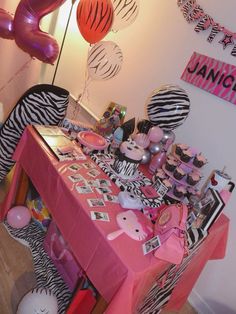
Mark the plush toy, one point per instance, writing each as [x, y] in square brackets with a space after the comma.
[132, 224]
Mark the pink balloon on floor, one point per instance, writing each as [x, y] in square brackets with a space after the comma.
[18, 217]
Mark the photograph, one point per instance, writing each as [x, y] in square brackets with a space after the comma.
[96, 202]
[93, 173]
[99, 216]
[74, 167]
[151, 245]
[76, 178]
[111, 198]
[104, 190]
[88, 165]
[84, 189]
[104, 182]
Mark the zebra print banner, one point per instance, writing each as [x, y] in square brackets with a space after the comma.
[193, 12]
[214, 76]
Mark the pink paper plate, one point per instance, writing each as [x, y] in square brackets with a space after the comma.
[92, 140]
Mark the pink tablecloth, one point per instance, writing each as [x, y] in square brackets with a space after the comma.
[118, 268]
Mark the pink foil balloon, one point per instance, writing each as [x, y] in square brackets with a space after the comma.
[155, 134]
[28, 35]
[6, 25]
[142, 140]
[18, 217]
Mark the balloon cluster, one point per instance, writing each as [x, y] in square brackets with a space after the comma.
[152, 139]
[94, 18]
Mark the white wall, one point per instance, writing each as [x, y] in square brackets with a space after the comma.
[156, 50]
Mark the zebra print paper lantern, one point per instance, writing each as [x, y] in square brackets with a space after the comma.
[104, 60]
[125, 13]
[168, 107]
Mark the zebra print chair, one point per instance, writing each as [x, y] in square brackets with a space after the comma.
[41, 104]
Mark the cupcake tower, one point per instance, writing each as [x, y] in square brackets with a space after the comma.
[181, 172]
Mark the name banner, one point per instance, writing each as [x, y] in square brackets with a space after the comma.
[214, 76]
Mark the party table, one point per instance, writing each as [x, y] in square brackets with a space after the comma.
[118, 269]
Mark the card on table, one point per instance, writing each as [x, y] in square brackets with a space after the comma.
[84, 189]
[151, 245]
[96, 202]
[104, 182]
[92, 183]
[88, 165]
[93, 173]
[99, 216]
[104, 190]
[74, 167]
[76, 178]
[111, 198]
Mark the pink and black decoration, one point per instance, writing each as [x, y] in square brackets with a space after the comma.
[194, 13]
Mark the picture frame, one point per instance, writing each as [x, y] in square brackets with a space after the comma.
[209, 208]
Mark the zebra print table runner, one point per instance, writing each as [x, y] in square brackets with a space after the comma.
[104, 160]
[158, 296]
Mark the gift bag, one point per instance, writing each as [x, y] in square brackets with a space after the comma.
[171, 229]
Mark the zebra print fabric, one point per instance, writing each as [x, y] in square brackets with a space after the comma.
[159, 296]
[45, 271]
[104, 162]
[41, 104]
[168, 107]
[104, 60]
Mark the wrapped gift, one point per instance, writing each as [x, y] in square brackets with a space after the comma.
[39, 212]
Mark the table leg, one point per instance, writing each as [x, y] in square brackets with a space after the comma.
[23, 186]
[100, 306]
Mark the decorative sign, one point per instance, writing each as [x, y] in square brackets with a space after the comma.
[214, 76]
[193, 12]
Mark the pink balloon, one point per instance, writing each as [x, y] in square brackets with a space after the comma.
[6, 25]
[28, 35]
[142, 140]
[155, 134]
[18, 217]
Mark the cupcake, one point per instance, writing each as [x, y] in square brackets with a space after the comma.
[186, 155]
[171, 164]
[193, 178]
[178, 173]
[128, 158]
[179, 191]
[179, 148]
[160, 174]
[199, 160]
[168, 184]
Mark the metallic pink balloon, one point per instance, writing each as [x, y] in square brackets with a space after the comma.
[28, 35]
[6, 25]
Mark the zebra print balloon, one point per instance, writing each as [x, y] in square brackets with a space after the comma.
[94, 19]
[125, 13]
[41, 104]
[168, 107]
[104, 60]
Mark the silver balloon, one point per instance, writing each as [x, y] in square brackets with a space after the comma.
[146, 157]
[155, 148]
[168, 135]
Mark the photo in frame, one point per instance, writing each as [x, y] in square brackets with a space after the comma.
[209, 209]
